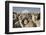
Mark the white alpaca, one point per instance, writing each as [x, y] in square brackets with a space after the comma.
[34, 19]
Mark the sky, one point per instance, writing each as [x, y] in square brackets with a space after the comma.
[26, 9]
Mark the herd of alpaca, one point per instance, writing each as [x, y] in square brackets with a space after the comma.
[21, 20]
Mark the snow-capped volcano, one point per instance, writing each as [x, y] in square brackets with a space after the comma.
[25, 11]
